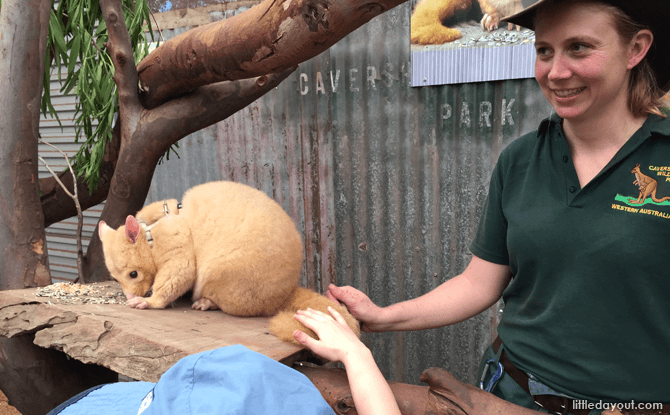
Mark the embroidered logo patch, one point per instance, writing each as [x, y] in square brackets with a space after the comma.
[647, 192]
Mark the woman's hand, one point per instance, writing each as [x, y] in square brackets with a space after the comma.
[336, 340]
[360, 306]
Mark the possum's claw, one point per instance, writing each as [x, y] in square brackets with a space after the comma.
[490, 21]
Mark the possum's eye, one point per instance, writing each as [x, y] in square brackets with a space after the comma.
[133, 274]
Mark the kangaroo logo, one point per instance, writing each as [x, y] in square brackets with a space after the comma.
[647, 187]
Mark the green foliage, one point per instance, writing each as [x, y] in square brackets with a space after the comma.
[77, 36]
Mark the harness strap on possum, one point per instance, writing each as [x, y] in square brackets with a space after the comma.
[147, 228]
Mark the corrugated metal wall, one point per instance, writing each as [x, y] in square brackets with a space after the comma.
[386, 181]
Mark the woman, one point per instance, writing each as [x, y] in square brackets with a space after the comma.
[581, 268]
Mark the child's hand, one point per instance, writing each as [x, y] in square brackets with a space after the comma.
[336, 340]
[369, 390]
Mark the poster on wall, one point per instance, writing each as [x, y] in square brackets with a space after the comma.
[459, 41]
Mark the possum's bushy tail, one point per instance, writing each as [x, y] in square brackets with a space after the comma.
[427, 18]
[283, 324]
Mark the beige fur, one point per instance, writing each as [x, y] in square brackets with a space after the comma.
[231, 244]
[428, 15]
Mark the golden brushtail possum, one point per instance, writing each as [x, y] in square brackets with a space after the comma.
[231, 244]
[428, 15]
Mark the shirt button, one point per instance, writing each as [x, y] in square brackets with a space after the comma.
[565, 159]
[573, 189]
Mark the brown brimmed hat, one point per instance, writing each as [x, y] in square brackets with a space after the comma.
[653, 13]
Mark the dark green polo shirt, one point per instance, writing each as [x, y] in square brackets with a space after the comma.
[588, 309]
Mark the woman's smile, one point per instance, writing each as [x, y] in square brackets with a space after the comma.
[568, 93]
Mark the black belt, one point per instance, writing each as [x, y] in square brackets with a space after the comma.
[559, 404]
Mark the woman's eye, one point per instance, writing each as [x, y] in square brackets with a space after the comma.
[542, 51]
[133, 274]
[579, 47]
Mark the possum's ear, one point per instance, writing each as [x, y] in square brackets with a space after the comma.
[132, 228]
[102, 228]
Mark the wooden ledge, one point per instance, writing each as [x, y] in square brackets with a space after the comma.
[140, 344]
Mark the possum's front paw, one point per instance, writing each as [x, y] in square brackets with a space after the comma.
[147, 302]
[138, 302]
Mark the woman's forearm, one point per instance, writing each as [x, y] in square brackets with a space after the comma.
[464, 296]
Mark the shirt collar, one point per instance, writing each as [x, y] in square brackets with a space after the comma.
[654, 124]
[552, 120]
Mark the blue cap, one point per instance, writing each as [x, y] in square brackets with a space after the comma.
[233, 380]
[226, 381]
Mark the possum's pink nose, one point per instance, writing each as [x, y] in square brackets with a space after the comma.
[129, 295]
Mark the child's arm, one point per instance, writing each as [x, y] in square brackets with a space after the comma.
[369, 390]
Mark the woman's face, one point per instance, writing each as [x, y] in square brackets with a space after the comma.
[581, 65]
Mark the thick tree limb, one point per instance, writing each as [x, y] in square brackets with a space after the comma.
[23, 34]
[203, 107]
[267, 38]
[125, 72]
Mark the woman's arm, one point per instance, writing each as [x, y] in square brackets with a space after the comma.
[369, 390]
[455, 300]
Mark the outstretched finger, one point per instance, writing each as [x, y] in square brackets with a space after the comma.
[336, 315]
[331, 296]
[309, 319]
[304, 338]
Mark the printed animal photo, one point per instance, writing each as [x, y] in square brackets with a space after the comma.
[431, 18]
[234, 247]
[468, 41]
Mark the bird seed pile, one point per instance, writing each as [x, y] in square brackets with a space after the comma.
[71, 293]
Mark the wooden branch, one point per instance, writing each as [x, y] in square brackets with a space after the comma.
[267, 38]
[75, 198]
[125, 72]
[203, 107]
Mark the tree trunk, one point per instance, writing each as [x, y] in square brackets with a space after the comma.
[23, 35]
[23, 259]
